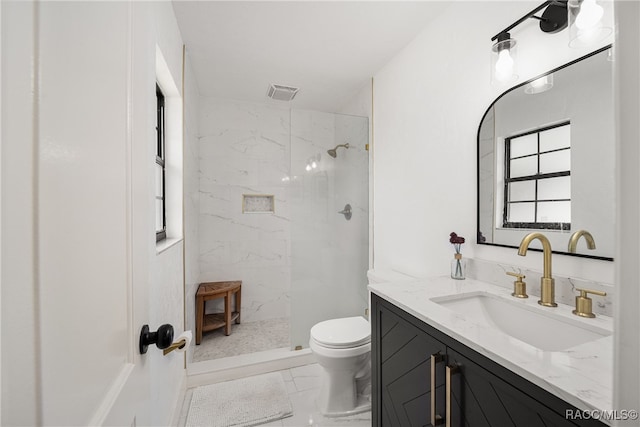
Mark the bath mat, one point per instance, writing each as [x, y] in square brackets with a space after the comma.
[244, 402]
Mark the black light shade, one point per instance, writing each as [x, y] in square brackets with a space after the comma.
[554, 18]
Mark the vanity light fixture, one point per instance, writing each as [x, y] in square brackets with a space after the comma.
[583, 17]
[585, 23]
[503, 64]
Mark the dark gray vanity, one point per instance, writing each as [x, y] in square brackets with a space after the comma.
[405, 355]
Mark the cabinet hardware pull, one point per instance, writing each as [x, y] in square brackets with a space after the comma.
[450, 370]
[435, 418]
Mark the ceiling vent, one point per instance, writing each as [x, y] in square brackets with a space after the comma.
[282, 93]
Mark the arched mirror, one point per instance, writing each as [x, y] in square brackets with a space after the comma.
[546, 160]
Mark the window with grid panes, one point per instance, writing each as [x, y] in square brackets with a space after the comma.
[538, 179]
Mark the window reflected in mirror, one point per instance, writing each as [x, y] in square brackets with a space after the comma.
[537, 179]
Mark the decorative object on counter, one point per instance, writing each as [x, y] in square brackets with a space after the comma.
[458, 264]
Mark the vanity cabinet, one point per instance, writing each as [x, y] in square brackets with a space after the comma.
[410, 360]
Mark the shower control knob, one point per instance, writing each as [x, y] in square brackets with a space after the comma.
[346, 211]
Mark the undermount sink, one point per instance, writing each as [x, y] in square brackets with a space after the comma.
[536, 326]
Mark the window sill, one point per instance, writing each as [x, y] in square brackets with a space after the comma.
[167, 243]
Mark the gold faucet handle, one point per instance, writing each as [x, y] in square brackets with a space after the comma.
[584, 292]
[519, 287]
[518, 275]
[584, 304]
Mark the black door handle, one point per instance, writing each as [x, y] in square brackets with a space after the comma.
[162, 338]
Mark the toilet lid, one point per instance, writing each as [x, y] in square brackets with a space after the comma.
[342, 333]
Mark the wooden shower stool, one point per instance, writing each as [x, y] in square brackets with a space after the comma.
[215, 290]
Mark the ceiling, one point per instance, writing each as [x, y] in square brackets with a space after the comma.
[329, 49]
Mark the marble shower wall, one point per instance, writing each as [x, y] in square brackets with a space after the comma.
[245, 149]
[305, 261]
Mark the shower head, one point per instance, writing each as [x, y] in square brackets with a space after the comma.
[334, 151]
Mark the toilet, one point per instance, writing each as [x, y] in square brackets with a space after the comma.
[342, 347]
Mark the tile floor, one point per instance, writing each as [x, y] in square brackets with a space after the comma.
[249, 337]
[303, 384]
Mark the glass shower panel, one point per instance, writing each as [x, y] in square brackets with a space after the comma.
[329, 253]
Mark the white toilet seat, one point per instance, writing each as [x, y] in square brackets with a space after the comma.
[344, 333]
[338, 353]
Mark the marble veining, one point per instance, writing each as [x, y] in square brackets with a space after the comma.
[581, 375]
[495, 273]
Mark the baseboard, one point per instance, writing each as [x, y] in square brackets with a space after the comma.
[231, 368]
[177, 408]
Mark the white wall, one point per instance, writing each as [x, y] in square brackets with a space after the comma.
[428, 103]
[360, 103]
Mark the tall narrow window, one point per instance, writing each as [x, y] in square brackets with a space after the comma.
[160, 196]
[538, 179]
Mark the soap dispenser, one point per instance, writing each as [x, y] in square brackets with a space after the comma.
[519, 287]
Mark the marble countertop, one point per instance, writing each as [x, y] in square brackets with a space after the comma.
[581, 375]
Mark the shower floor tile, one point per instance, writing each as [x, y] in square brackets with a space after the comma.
[245, 338]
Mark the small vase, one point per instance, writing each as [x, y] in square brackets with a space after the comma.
[458, 267]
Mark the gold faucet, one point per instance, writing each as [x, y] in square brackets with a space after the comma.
[547, 284]
[573, 241]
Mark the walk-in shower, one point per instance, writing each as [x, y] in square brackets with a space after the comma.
[334, 151]
[299, 257]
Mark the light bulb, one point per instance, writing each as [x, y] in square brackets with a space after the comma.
[590, 15]
[540, 85]
[308, 168]
[504, 65]
[314, 164]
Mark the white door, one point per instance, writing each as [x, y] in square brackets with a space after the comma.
[76, 226]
